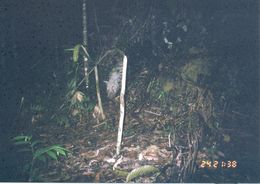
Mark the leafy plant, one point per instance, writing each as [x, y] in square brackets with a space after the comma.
[79, 106]
[156, 91]
[76, 104]
[75, 51]
[37, 152]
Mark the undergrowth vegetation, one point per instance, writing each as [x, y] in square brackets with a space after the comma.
[37, 153]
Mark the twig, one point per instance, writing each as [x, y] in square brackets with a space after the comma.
[154, 113]
[99, 125]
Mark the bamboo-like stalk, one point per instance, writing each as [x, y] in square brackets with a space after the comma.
[122, 106]
[85, 39]
[98, 95]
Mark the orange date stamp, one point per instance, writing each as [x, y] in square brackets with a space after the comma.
[230, 164]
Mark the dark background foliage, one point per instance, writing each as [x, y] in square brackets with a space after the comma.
[34, 34]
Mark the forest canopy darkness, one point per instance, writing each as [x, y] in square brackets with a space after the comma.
[34, 35]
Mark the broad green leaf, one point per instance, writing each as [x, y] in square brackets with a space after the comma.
[76, 53]
[60, 151]
[52, 154]
[19, 137]
[61, 148]
[47, 149]
[22, 137]
[65, 149]
[141, 171]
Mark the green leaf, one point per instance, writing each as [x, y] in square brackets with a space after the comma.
[52, 154]
[141, 171]
[21, 143]
[76, 53]
[42, 151]
[60, 151]
[22, 137]
[62, 148]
